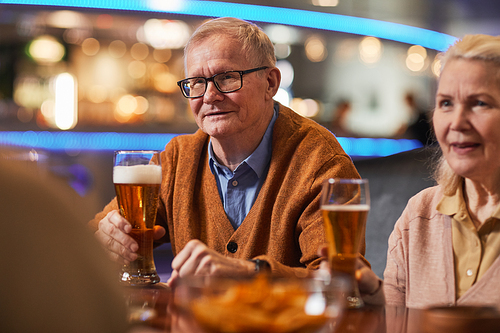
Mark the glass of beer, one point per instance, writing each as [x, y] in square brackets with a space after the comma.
[137, 179]
[345, 204]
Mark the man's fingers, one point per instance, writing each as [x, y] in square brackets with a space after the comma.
[158, 232]
[186, 261]
[173, 278]
[119, 221]
[117, 228]
[113, 234]
[368, 281]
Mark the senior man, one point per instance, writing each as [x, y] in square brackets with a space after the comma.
[242, 193]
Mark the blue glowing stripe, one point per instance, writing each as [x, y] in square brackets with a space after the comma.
[302, 18]
[370, 147]
[86, 141]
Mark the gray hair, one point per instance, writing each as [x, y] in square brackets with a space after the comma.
[255, 44]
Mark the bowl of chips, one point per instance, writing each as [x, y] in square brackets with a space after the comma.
[262, 303]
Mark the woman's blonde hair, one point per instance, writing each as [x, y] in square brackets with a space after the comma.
[474, 47]
[255, 44]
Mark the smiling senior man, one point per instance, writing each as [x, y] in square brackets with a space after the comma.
[242, 193]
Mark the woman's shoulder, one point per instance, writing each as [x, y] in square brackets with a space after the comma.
[428, 196]
[422, 206]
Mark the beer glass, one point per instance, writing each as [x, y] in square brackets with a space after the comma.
[345, 204]
[137, 179]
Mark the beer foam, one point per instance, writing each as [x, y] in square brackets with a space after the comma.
[345, 208]
[137, 174]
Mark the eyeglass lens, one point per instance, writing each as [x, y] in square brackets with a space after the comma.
[225, 82]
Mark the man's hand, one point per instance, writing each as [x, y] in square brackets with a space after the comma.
[197, 259]
[368, 281]
[113, 234]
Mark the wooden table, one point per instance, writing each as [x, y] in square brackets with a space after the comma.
[152, 307]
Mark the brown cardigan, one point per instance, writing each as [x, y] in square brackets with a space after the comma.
[284, 226]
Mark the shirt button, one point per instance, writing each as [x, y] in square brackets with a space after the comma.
[469, 272]
[235, 183]
[232, 247]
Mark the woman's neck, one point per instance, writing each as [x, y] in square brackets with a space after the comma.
[481, 200]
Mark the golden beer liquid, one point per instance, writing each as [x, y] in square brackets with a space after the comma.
[138, 204]
[344, 228]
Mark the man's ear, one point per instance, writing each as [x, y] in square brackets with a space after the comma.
[273, 82]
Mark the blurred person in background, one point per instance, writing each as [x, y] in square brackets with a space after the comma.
[445, 247]
[242, 193]
[419, 125]
[339, 125]
[55, 277]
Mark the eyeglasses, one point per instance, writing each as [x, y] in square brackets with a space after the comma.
[226, 82]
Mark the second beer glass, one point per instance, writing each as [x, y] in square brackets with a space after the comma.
[345, 204]
[137, 179]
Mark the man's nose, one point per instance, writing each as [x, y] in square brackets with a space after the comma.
[212, 93]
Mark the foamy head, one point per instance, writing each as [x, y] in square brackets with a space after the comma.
[137, 174]
[345, 208]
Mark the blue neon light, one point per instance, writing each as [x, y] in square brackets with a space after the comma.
[88, 141]
[302, 18]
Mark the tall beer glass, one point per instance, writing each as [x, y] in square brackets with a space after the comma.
[137, 179]
[345, 204]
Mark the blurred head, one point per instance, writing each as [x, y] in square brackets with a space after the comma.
[467, 112]
[230, 44]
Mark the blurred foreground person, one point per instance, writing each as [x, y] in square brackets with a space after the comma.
[445, 247]
[55, 277]
[246, 186]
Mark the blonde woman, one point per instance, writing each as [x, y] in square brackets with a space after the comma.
[445, 246]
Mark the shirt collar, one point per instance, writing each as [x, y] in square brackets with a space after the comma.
[451, 205]
[261, 156]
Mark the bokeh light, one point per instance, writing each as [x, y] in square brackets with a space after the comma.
[325, 3]
[65, 105]
[126, 105]
[415, 59]
[315, 49]
[282, 34]
[305, 107]
[117, 49]
[66, 19]
[162, 55]
[90, 46]
[283, 97]
[164, 34]
[46, 49]
[370, 50]
[139, 51]
[282, 51]
[165, 82]
[287, 73]
[104, 21]
[436, 67]
[142, 105]
[136, 69]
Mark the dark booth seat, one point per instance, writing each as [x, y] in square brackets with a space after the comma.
[393, 180]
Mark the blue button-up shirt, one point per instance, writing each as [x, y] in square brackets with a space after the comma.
[239, 189]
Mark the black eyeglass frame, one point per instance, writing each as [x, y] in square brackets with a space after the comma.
[211, 79]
